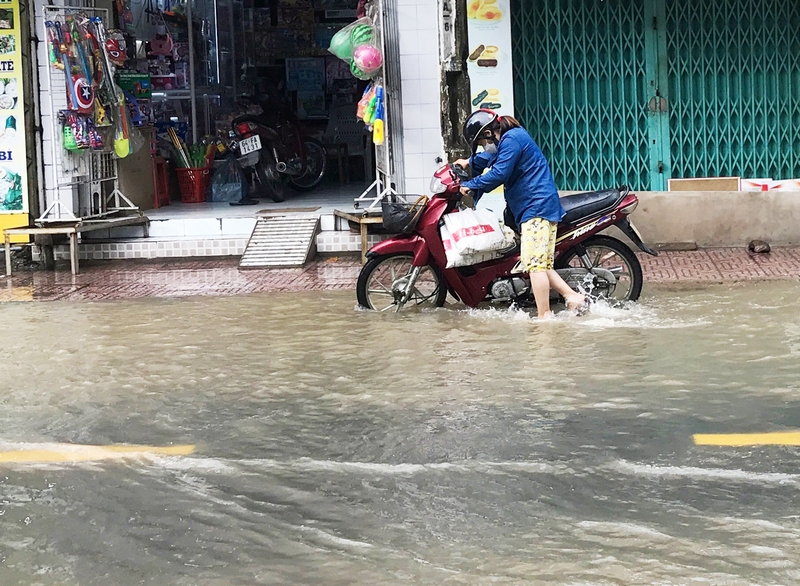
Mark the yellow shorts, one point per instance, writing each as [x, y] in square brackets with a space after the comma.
[538, 246]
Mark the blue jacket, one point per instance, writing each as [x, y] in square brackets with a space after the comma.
[521, 168]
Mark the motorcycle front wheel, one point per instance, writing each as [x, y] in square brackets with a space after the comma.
[270, 180]
[383, 279]
[316, 163]
[614, 256]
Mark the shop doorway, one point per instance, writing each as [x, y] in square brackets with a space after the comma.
[623, 91]
[210, 62]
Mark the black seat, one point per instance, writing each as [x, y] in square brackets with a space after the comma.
[581, 205]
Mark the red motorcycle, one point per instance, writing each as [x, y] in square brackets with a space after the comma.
[411, 268]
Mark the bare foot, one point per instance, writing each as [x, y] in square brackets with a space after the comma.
[546, 316]
[575, 301]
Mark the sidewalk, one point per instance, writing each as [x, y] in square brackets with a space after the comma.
[105, 280]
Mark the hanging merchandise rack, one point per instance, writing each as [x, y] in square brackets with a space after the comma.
[85, 178]
[383, 184]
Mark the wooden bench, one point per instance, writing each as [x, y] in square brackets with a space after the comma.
[71, 230]
[363, 219]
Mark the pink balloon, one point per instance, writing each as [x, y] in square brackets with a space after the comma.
[368, 58]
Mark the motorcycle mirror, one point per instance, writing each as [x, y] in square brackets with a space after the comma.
[460, 172]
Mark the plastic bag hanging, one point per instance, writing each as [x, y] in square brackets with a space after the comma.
[345, 41]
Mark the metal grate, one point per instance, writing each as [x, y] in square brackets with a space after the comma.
[622, 91]
[581, 89]
[734, 77]
[285, 241]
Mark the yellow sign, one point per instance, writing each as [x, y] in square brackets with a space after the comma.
[13, 165]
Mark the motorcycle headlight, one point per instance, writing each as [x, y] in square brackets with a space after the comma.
[437, 186]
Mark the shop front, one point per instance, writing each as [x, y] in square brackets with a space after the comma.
[647, 93]
[176, 95]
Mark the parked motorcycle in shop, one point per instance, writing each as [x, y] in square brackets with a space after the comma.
[273, 147]
[410, 269]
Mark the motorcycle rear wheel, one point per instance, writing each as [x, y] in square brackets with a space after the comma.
[610, 254]
[270, 181]
[316, 161]
[382, 279]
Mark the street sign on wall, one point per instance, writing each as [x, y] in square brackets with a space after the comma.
[490, 67]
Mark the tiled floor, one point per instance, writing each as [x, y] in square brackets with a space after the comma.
[182, 278]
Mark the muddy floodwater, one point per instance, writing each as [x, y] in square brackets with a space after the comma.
[342, 447]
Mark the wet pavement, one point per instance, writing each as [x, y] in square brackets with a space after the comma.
[445, 447]
[139, 279]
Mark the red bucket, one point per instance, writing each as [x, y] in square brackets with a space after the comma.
[193, 184]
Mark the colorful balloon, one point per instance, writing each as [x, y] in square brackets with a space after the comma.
[368, 58]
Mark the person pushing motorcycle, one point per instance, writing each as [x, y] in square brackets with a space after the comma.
[515, 161]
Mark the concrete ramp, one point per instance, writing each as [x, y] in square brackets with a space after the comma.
[281, 241]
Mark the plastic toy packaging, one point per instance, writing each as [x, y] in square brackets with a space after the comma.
[368, 105]
[363, 103]
[355, 44]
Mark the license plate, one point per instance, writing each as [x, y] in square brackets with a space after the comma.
[249, 145]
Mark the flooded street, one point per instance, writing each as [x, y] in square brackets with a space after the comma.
[343, 447]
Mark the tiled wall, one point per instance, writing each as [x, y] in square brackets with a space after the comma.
[418, 22]
[153, 249]
[327, 242]
[345, 242]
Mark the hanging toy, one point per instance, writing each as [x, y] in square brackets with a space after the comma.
[122, 143]
[344, 42]
[55, 52]
[69, 139]
[362, 32]
[84, 95]
[79, 49]
[378, 129]
[116, 49]
[133, 108]
[364, 101]
[75, 137]
[92, 48]
[372, 107]
[101, 118]
[358, 73]
[368, 59]
[63, 43]
[161, 43]
[81, 132]
[95, 138]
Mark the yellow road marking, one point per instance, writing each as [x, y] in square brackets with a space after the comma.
[781, 438]
[59, 453]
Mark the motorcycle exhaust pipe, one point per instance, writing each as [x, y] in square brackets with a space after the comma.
[281, 167]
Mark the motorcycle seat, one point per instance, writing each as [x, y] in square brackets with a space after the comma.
[581, 205]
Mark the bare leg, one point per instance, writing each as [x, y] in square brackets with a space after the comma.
[574, 300]
[540, 283]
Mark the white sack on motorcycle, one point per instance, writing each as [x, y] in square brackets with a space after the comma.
[456, 259]
[474, 231]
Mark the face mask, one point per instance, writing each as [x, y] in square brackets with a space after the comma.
[490, 148]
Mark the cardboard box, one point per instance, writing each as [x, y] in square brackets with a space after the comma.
[138, 84]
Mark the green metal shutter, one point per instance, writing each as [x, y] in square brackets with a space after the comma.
[734, 87]
[581, 91]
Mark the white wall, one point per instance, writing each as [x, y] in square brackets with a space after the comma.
[51, 99]
[418, 23]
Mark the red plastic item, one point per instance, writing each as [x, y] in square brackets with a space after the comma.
[193, 184]
[160, 182]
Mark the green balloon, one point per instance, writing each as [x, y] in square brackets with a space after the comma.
[341, 46]
[358, 72]
[361, 34]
